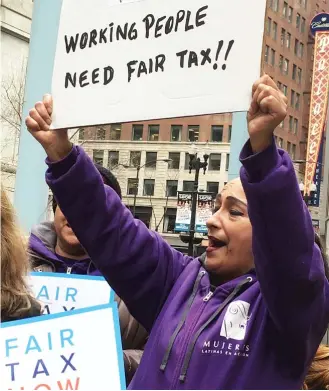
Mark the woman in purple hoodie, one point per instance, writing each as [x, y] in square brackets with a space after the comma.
[249, 316]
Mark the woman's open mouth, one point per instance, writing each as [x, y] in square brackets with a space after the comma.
[215, 244]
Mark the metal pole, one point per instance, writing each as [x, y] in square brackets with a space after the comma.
[135, 195]
[193, 209]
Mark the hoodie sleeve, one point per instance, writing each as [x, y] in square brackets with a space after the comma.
[288, 263]
[138, 264]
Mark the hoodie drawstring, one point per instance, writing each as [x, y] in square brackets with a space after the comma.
[182, 321]
[191, 346]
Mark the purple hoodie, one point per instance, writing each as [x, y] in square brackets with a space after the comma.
[259, 331]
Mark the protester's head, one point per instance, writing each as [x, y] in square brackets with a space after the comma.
[67, 243]
[15, 296]
[230, 234]
[317, 377]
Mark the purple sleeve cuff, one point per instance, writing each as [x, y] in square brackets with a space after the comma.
[61, 167]
[259, 165]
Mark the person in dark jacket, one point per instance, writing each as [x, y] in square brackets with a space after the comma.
[17, 301]
[53, 247]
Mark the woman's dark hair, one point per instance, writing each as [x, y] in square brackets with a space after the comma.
[319, 242]
[108, 178]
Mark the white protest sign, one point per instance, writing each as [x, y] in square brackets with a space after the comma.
[79, 350]
[154, 59]
[59, 292]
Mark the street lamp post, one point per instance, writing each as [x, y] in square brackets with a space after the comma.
[138, 168]
[195, 164]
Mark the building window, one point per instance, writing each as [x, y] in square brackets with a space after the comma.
[169, 220]
[98, 156]
[293, 151]
[285, 10]
[187, 161]
[154, 132]
[298, 20]
[268, 26]
[274, 4]
[81, 134]
[212, 187]
[286, 66]
[281, 63]
[288, 41]
[229, 133]
[137, 132]
[148, 189]
[296, 49]
[283, 36]
[266, 53]
[113, 159]
[132, 187]
[175, 160]
[100, 134]
[272, 57]
[299, 76]
[214, 161]
[280, 85]
[176, 132]
[188, 185]
[193, 133]
[294, 72]
[302, 25]
[217, 133]
[304, 3]
[275, 31]
[285, 89]
[115, 132]
[289, 147]
[135, 158]
[151, 159]
[291, 123]
[171, 188]
[282, 124]
[290, 14]
[301, 50]
[295, 126]
[297, 103]
[292, 98]
[280, 142]
[227, 165]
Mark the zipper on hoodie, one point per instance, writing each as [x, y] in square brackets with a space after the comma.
[68, 270]
[208, 297]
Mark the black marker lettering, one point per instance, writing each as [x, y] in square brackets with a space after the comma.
[108, 75]
[199, 16]
[131, 70]
[182, 56]
[205, 56]
[141, 69]
[83, 40]
[95, 76]
[149, 22]
[188, 26]
[93, 36]
[132, 32]
[179, 18]
[102, 37]
[111, 31]
[159, 62]
[169, 25]
[68, 78]
[122, 32]
[158, 27]
[192, 59]
[83, 78]
[71, 44]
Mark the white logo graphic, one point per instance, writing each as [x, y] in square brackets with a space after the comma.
[235, 320]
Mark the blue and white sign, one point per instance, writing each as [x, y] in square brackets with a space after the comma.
[59, 292]
[314, 200]
[78, 350]
[184, 208]
[320, 22]
[203, 211]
